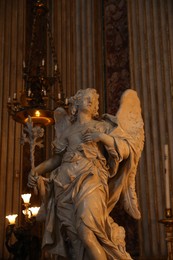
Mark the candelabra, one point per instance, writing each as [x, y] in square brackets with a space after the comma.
[168, 223]
[26, 245]
[40, 73]
[168, 220]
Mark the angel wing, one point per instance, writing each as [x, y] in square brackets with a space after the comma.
[129, 118]
[62, 121]
[130, 127]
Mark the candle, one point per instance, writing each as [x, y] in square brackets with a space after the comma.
[42, 62]
[29, 92]
[9, 100]
[12, 219]
[26, 198]
[56, 67]
[15, 96]
[59, 95]
[167, 190]
[66, 101]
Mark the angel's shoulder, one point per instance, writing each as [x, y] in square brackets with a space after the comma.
[103, 126]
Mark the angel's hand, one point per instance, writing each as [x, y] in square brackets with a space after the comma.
[91, 135]
[32, 179]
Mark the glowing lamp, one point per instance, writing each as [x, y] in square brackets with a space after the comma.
[26, 198]
[34, 211]
[12, 219]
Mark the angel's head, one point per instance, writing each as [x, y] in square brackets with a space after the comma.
[85, 99]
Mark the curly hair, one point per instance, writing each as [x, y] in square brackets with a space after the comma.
[74, 102]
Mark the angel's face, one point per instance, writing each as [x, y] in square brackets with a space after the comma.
[87, 103]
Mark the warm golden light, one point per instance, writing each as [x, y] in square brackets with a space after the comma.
[26, 197]
[37, 113]
[34, 211]
[27, 213]
[45, 118]
[12, 219]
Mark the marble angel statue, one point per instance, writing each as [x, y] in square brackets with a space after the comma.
[94, 163]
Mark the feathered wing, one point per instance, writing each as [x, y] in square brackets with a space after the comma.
[130, 120]
[129, 129]
[62, 122]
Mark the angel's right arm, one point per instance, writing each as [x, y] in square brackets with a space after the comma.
[55, 161]
[48, 165]
[42, 168]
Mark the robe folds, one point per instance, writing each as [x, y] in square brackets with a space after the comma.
[84, 189]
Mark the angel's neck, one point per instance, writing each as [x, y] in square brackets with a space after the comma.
[84, 118]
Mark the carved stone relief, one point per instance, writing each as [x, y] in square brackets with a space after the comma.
[117, 81]
[116, 52]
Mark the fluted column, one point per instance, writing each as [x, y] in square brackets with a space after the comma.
[79, 44]
[151, 64]
[12, 26]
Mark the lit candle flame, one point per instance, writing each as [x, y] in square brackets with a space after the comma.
[37, 113]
